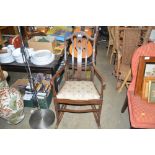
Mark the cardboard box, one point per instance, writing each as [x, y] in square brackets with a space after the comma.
[20, 83]
[37, 44]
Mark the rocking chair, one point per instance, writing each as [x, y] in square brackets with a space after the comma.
[78, 88]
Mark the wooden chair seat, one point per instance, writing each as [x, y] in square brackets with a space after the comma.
[78, 90]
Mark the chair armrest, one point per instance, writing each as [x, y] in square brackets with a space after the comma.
[101, 79]
[52, 82]
[98, 75]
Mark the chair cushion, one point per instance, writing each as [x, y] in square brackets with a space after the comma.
[78, 90]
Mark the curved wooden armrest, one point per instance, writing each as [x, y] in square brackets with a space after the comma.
[98, 75]
[101, 79]
[52, 82]
[58, 73]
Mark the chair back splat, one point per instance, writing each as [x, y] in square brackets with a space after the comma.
[81, 49]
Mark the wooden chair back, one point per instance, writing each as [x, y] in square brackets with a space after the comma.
[127, 40]
[80, 52]
[131, 41]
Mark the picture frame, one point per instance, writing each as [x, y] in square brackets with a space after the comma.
[145, 87]
[151, 94]
[143, 61]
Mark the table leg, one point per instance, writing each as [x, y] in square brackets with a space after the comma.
[125, 105]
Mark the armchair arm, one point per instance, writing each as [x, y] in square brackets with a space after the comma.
[52, 82]
[100, 78]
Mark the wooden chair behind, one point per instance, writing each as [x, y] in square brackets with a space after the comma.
[131, 38]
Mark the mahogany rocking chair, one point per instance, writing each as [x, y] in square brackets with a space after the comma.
[78, 89]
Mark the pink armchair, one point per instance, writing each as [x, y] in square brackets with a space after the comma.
[142, 114]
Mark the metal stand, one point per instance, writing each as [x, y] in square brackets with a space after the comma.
[40, 118]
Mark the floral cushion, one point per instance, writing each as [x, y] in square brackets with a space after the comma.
[78, 90]
[3, 84]
[11, 105]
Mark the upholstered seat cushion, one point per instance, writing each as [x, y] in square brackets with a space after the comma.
[78, 90]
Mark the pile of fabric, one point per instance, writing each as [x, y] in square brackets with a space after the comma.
[11, 104]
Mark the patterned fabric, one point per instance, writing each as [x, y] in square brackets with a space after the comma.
[3, 84]
[11, 104]
[78, 90]
[142, 114]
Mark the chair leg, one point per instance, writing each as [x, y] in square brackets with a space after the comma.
[111, 56]
[125, 81]
[108, 49]
[118, 64]
[97, 115]
[59, 114]
[125, 105]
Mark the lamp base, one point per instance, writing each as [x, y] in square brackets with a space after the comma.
[41, 119]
